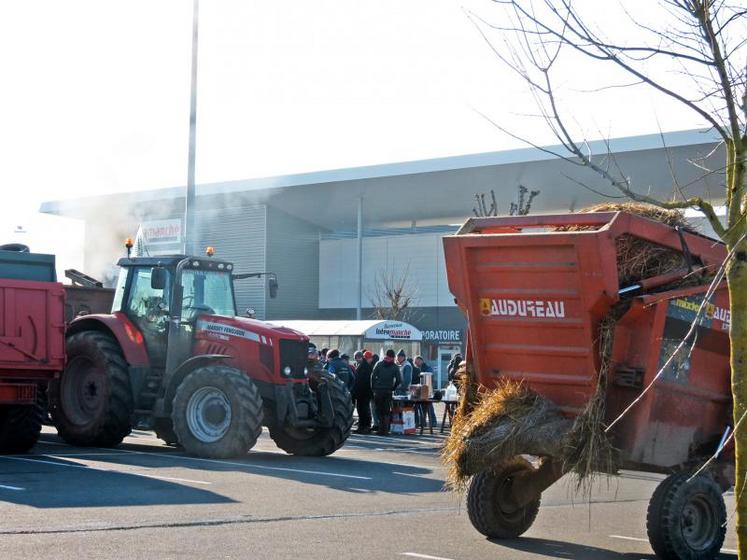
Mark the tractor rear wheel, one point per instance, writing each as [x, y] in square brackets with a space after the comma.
[686, 520]
[319, 442]
[20, 426]
[491, 506]
[217, 412]
[91, 404]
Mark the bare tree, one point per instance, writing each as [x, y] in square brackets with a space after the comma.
[392, 296]
[521, 207]
[694, 54]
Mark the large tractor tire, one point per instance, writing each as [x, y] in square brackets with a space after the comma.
[490, 503]
[319, 442]
[20, 426]
[686, 520]
[91, 404]
[217, 412]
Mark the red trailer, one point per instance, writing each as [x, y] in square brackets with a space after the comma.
[535, 294]
[32, 344]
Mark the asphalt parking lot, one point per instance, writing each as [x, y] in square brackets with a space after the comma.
[375, 498]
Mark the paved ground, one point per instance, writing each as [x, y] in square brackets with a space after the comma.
[375, 498]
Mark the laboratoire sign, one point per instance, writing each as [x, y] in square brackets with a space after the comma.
[443, 335]
[393, 330]
[522, 308]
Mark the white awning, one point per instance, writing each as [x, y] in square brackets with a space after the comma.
[368, 330]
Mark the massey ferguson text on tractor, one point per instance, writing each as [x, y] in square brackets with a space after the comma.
[174, 355]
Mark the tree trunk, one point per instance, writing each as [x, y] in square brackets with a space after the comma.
[737, 278]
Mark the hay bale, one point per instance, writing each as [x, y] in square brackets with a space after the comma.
[508, 421]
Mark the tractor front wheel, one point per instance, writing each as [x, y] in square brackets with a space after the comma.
[491, 503]
[91, 404]
[217, 412]
[686, 518]
[319, 442]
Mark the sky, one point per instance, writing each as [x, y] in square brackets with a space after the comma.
[95, 95]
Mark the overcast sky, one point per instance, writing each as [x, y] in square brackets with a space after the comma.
[95, 94]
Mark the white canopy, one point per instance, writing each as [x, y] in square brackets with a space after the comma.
[368, 330]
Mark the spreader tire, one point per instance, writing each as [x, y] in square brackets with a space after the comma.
[20, 426]
[490, 513]
[685, 520]
[217, 412]
[91, 404]
[319, 442]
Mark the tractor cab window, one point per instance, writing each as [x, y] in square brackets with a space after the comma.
[119, 291]
[207, 291]
[148, 307]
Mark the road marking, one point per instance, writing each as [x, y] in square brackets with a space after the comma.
[247, 465]
[78, 466]
[233, 463]
[8, 487]
[624, 538]
[639, 539]
[425, 556]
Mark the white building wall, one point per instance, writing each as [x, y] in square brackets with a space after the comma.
[420, 257]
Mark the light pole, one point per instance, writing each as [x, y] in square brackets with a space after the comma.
[189, 202]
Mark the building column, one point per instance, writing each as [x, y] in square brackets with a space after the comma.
[359, 269]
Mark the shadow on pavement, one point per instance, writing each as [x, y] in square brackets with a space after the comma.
[339, 473]
[42, 481]
[560, 549]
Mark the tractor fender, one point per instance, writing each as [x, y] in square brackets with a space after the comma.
[119, 326]
[163, 406]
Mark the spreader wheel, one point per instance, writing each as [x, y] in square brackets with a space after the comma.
[491, 505]
[686, 520]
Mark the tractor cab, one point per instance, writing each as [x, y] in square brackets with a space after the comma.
[163, 296]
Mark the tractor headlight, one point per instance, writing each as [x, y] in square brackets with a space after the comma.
[287, 370]
[305, 372]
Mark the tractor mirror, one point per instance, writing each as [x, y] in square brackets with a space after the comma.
[157, 278]
[273, 285]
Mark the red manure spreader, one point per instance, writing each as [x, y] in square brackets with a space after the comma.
[537, 291]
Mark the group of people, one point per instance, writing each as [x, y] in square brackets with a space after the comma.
[373, 380]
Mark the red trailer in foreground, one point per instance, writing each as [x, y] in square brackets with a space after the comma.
[535, 290]
[32, 344]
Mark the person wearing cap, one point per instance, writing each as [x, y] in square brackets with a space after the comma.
[362, 393]
[337, 366]
[385, 379]
[405, 371]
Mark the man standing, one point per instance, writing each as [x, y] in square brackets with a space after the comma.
[362, 393]
[338, 366]
[423, 367]
[405, 371]
[385, 379]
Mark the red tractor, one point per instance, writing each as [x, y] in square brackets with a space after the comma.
[173, 355]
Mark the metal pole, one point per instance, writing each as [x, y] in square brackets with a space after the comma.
[189, 203]
[359, 307]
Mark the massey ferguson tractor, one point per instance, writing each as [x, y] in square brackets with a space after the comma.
[173, 355]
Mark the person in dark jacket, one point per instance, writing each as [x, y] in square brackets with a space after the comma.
[362, 393]
[453, 368]
[385, 379]
[338, 366]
